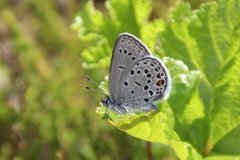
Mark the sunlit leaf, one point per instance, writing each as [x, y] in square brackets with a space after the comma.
[208, 39]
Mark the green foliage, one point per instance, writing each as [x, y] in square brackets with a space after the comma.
[93, 27]
[38, 116]
[210, 41]
[45, 112]
[203, 110]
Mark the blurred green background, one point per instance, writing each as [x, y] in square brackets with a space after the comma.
[45, 111]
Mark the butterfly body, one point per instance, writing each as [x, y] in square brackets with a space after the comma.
[121, 108]
[136, 77]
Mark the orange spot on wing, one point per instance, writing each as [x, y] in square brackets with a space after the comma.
[160, 83]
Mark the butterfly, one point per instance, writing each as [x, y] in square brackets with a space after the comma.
[136, 78]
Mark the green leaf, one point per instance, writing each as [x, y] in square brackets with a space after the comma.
[153, 127]
[229, 144]
[129, 15]
[183, 84]
[88, 20]
[222, 157]
[101, 49]
[176, 41]
[226, 113]
[208, 40]
[186, 104]
[148, 38]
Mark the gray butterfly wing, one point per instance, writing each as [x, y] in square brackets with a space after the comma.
[146, 81]
[127, 50]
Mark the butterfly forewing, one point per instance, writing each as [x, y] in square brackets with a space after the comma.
[127, 51]
[147, 80]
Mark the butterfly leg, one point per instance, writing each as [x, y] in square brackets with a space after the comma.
[122, 109]
[116, 109]
[127, 110]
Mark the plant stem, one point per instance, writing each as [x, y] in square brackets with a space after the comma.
[149, 151]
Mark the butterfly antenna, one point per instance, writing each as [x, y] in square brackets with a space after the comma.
[94, 90]
[91, 80]
[97, 85]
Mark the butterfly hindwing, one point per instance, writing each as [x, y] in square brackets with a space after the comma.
[147, 80]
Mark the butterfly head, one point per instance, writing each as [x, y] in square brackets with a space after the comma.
[106, 101]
